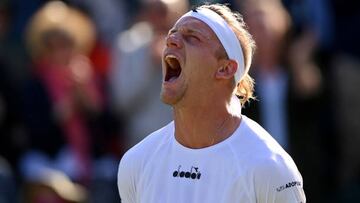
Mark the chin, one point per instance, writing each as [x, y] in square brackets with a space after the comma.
[170, 98]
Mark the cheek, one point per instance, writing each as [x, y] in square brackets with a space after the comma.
[199, 73]
[200, 64]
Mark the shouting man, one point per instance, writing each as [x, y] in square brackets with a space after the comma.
[210, 153]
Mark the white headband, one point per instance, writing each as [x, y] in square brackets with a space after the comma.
[225, 34]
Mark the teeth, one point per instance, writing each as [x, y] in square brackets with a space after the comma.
[170, 60]
[169, 57]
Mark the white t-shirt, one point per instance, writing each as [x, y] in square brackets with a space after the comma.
[248, 167]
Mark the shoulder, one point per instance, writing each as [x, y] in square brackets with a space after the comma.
[147, 145]
[133, 160]
[272, 170]
[277, 169]
[277, 178]
[138, 153]
[266, 156]
[253, 143]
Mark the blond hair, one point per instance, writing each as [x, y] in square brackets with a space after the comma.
[245, 88]
[55, 17]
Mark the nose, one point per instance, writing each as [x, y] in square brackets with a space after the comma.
[174, 40]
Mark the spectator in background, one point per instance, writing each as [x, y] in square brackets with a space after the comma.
[110, 18]
[310, 113]
[299, 94]
[269, 23]
[326, 97]
[64, 79]
[63, 105]
[135, 76]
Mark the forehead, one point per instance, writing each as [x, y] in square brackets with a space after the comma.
[193, 24]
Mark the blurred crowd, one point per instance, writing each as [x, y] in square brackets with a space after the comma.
[80, 83]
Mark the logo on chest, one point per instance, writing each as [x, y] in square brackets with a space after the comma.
[193, 173]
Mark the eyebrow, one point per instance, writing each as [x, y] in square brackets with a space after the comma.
[189, 31]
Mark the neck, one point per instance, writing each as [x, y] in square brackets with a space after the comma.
[206, 125]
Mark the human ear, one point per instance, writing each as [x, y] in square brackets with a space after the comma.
[227, 70]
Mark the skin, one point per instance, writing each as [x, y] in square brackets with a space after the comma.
[202, 97]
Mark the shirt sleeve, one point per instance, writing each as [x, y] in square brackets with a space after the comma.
[126, 180]
[278, 181]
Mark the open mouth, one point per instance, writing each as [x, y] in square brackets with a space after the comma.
[173, 68]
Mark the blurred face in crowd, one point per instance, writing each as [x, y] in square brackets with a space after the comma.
[59, 47]
[190, 61]
[268, 24]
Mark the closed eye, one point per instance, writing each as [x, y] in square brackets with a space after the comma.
[195, 37]
[192, 38]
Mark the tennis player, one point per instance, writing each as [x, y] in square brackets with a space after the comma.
[210, 153]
